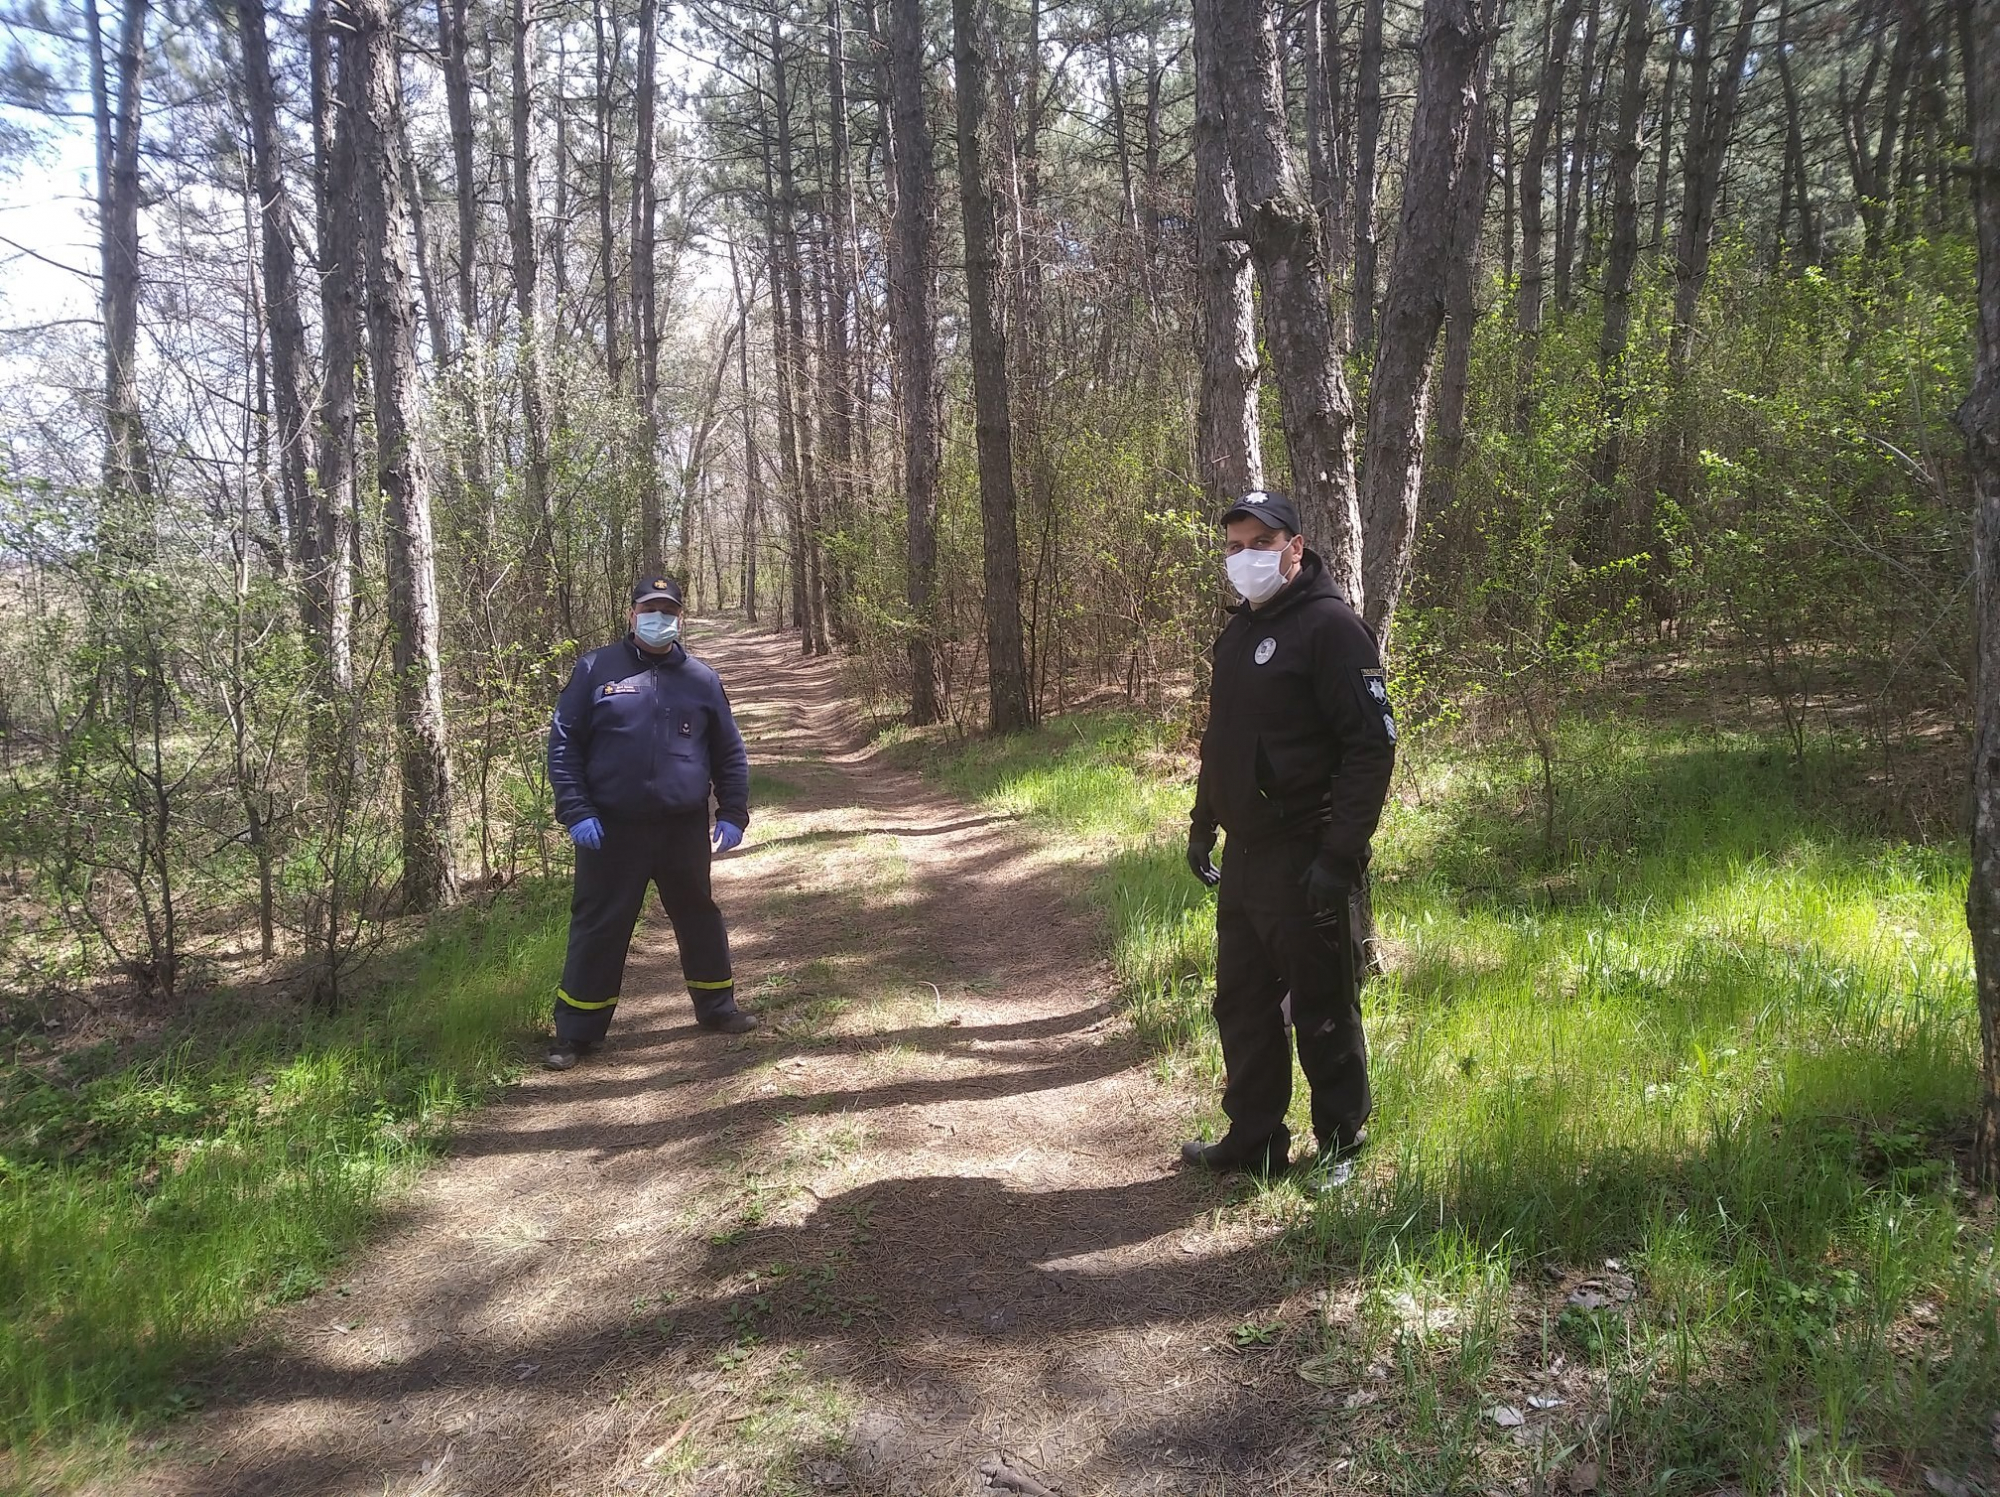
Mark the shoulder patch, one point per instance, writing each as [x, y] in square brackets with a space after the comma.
[1377, 684]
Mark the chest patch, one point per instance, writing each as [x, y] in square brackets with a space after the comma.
[1265, 650]
[620, 689]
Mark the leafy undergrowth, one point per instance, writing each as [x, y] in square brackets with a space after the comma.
[1720, 1037]
[151, 1204]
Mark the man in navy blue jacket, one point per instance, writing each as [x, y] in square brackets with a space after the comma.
[641, 733]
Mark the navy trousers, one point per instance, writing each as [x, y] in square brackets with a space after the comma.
[673, 856]
[1268, 944]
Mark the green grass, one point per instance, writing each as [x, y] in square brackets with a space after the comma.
[1722, 1032]
[152, 1203]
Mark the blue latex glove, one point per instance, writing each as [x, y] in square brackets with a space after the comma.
[728, 836]
[588, 832]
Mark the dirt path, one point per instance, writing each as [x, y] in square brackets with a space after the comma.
[920, 1224]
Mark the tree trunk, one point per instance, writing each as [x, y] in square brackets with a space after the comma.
[1581, 142]
[1664, 133]
[374, 98]
[913, 335]
[1006, 663]
[329, 582]
[842, 299]
[1979, 419]
[645, 301]
[753, 478]
[1797, 195]
[1324, 167]
[1621, 264]
[1532, 294]
[607, 239]
[470, 375]
[1298, 326]
[541, 558]
[281, 291]
[813, 637]
[1461, 317]
[1711, 119]
[1228, 448]
[1438, 226]
[1368, 137]
[128, 481]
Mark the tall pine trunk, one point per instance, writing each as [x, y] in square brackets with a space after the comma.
[1283, 228]
[913, 335]
[1228, 445]
[1006, 661]
[374, 99]
[1979, 419]
[1438, 227]
[329, 586]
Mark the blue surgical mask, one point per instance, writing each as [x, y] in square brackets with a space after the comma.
[657, 630]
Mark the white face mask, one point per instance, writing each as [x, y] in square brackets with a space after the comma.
[1256, 574]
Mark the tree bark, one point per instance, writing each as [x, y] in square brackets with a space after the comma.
[1581, 142]
[1532, 295]
[469, 378]
[1006, 661]
[281, 292]
[1368, 136]
[602, 12]
[374, 98]
[811, 560]
[1979, 419]
[1711, 121]
[645, 300]
[1797, 194]
[1229, 451]
[837, 377]
[1325, 168]
[1621, 263]
[128, 480]
[1284, 242]
[329, 582]
[550, 595]
[1461, 316]
[913, 334]
[1438, 226]
[753, 477]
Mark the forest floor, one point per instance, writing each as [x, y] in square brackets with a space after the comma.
[921, 1232]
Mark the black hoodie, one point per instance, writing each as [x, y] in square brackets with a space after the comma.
[1301, 739]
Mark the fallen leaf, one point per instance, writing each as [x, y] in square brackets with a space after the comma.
[1539, 1401]
[1583, 1477]
[1360, 1398]
[1507, 1416]
[1587, 1298]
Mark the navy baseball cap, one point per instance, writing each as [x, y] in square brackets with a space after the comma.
[1268, 505]
[654, 586]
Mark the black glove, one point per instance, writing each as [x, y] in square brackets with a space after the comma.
[1329, 881]
[1201, 843]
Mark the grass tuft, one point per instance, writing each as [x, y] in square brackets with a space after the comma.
[151, 1204]
[1721, 1034]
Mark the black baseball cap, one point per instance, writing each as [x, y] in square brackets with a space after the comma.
[1268, 505]
[653, 586]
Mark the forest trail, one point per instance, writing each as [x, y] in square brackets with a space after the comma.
[920, 1233]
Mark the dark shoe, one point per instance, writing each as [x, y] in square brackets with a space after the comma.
[736, 1021]
[1268, 1156]
[564, 1053]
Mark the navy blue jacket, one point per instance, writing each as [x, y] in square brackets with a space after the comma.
[638, 737]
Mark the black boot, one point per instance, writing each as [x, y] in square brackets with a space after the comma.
[1266, 1156]
[564, 1053]
[731, 1021]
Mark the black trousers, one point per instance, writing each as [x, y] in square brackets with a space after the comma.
[1269, 944]
[672, 855]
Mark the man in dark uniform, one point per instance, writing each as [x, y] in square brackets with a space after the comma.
[641, 733]
[1295, 766]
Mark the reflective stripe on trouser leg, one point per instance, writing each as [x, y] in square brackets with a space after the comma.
[604, 906]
